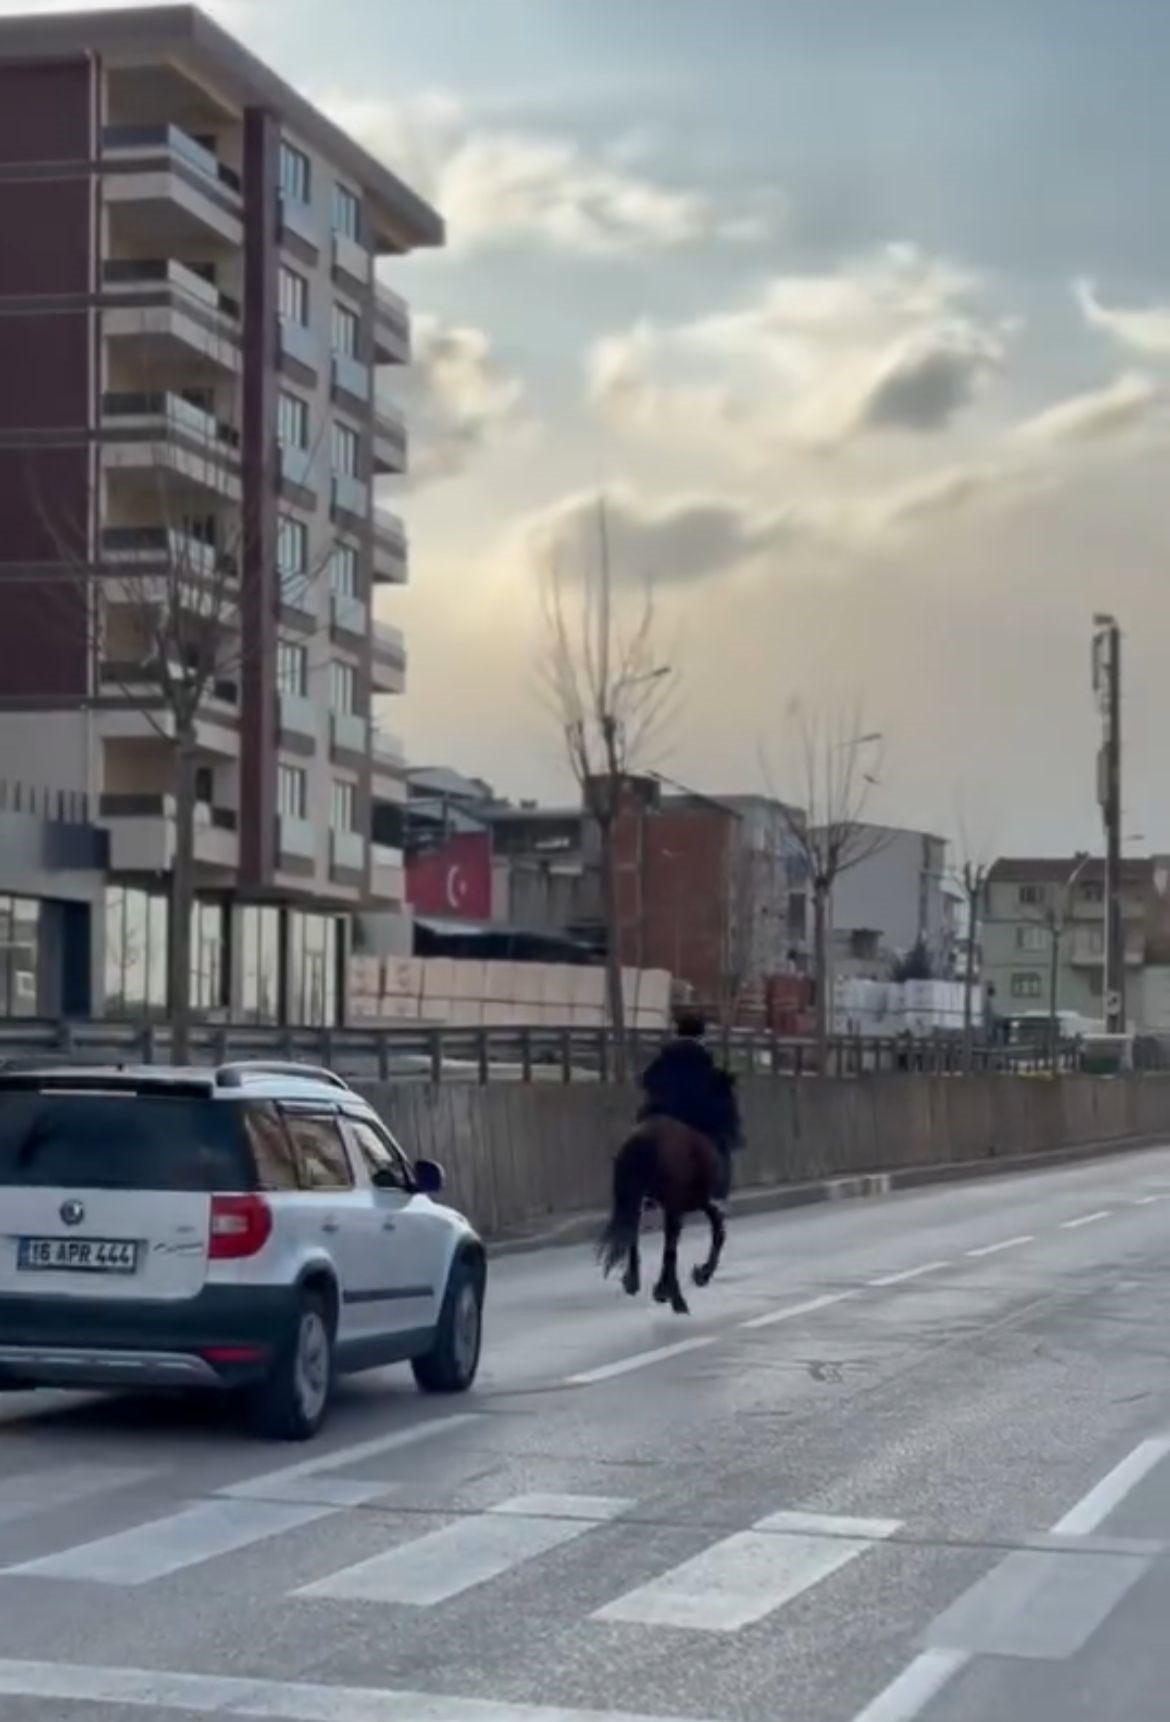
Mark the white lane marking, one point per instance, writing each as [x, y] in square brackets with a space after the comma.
[1004, 1244]
[165, 1546]
[922, 1680]
[1095, 1507]
[1144, 1201]
[794, 1309]
[830, 1525]
[41, 1491]
[222, 1695]
[746, 1576]
[432, 1568]
[259, 1487]
[640, 1360]
[908, 1274]
[1085, 1219]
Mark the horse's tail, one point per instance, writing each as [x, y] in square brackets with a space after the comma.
[633, 1169]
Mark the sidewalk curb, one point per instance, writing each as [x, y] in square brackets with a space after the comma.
[860, 1186]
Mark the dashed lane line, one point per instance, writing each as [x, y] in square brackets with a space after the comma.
[1004, 1244]
[1085, 1220]
[907, 1274]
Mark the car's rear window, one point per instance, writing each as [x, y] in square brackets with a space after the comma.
[123, 1142]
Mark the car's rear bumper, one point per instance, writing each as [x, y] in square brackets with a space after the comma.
[224, 1337]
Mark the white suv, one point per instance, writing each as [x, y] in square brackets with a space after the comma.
[254, 1228]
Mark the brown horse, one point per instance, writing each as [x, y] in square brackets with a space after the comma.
[667, 1162]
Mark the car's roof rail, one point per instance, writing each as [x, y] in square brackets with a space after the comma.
[235, 1075]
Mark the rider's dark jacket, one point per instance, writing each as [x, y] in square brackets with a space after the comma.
[684, 1082]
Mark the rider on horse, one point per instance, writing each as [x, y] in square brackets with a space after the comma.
[684, 1082]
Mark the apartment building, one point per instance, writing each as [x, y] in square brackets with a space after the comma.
[193, 341]
[894, 899]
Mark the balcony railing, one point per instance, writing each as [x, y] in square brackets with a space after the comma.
[350, 495]
[296, 466]
[298, 714]
[351, 259]
[351, 377]
[127, 274]
[301, 219]
[297, 837]
[349, 732]
[299, 342]
[391, 326]
[177, 143]
[350, 615]
[348, 850]
[389, 565]
[387, 750]
[390, 442]
[122, 409]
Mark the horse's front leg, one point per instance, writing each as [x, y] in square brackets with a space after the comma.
[702, 1275]
[668, 1289]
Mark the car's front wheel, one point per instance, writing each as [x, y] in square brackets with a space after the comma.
[451, 1364]
[292, 1402]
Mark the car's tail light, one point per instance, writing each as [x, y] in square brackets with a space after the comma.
[240, 1226]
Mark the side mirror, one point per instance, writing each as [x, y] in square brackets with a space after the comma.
[428, 1177]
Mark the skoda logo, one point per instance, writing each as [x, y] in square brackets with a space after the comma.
[72, 1212]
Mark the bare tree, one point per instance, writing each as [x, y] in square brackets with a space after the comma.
[166, 612]
[609, 692]
[971, 875]
[827, 828]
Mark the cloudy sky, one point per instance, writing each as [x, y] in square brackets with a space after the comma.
[858, 311]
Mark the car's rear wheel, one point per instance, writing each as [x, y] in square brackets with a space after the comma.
[292, 1402]
[451, 1364]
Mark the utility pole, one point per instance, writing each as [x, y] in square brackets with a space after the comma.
[1107, 687]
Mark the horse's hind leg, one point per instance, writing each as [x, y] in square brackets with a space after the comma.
[703, 1274]
[632, 1278]
[668, 1289]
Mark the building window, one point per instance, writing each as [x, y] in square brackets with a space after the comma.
[20, 937]
[292, 545]
[342, 687]
[345, 450]
[295, 173]
[292, 792]
[1031, 894]
[136, 952]
[292, 669]
[346, 327]
[208, 954]
[1092, 891]
[259, 932]
[343, 571]
[294, 296]
[292, 421]
[343, 809]
[1027, 986]
[347, 213]
[315, 948]
[1031, 938]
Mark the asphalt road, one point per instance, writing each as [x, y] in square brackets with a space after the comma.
[908, 1458]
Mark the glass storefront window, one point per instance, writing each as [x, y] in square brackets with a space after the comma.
[208, 951]
[20, 935]
[313, 955]
[137, 956]
[259, 933]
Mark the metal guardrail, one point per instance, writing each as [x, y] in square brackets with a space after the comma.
[502, 1054]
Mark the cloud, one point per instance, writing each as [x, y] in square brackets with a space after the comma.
[499, 187]
[1145, 330]
[889, 344]
[1129, 402]
[459, 400]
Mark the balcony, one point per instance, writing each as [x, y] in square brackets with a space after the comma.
[142, 833]
[351, 379]
[296, 467]
[389, 438]
[350, 497]
[163, 432]
[298, 597]
[391, 327]
[347, 851]
[170, 550]
[167, 314]
[299, 344]
[159, 185]
[388, 758]
[387, 875]
[389, 565]
[351, 260]
[296, 837]
[349, 616]
[349, 733]
[387, 659]
[298, 222]
[298, 715]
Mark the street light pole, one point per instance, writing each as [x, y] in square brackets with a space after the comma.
[1058, 914]
[1107, 686]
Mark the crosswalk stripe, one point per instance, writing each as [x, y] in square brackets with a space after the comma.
[749, 1574]
[32, 1492]
[442, 1564]
[166, 1546]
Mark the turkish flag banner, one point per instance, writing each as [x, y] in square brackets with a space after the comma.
[453, 880]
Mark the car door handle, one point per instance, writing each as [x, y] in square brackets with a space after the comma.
[330, 1225]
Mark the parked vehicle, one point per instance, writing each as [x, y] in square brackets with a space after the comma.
[253, 1228]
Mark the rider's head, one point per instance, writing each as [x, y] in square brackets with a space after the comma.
[689, 1025]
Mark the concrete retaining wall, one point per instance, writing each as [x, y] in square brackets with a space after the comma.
[517, 1154]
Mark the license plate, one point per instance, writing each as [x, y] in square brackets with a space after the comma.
[77, 1255]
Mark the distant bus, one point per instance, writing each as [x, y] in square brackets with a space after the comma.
[1033, 1027]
